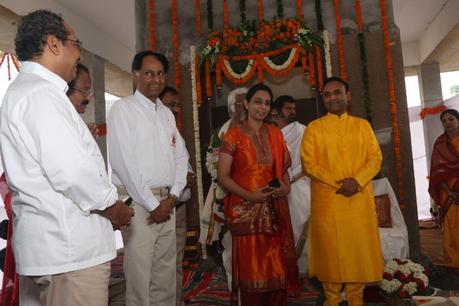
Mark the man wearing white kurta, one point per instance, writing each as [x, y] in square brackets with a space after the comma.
[62, 197]
[299, 198]
[150, 163]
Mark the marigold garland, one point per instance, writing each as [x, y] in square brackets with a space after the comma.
[299, 9]
[260, 10]
[218, 74]
[431, 111]
[358, 14]
[320, 74]
[339, 40]
[198, 18]
[151, 16]
[393, 105]
[175, 44]
[198, 79]
[225, 15]
[243, 77]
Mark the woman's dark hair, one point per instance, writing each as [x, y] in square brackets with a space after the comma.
[450, 111]
[138, 59]
[33, 31]
[258, 87]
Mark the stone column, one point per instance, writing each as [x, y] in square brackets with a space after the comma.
[431, 96]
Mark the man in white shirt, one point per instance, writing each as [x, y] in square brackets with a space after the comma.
[170, 98]
[299, 199]
[150, 163]
[64, 204]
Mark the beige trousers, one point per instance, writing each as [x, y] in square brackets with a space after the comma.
[180, 230]
[150, 260]
[87, 287]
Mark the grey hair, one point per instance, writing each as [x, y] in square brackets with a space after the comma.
[232, 98]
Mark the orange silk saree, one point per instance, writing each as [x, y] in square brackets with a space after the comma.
[264, 257]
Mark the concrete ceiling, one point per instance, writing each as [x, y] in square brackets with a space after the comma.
[107, 28]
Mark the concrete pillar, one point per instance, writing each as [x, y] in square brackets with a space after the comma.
[431, 96]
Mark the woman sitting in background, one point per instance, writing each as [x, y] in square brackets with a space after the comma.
[252, 155]
[444, 184]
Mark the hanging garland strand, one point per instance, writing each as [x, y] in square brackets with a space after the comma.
[210, 15]
[176, 53]
[339, 40]
[393, 105]
[363, 62]
[243, 9]
[151, 16]
[299, 9]
[225, 15]
[198, 17]
[280, 9]
[320, 23]
[260, 10]
[8, 65]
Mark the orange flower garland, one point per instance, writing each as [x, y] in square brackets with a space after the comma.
[299, 9]
[151, 15]
[339, 40]
[225, 14]
[175, 44]
[198, 19]
[198, 79]
[358, 14]
[320, 74]
[218, 74]
[260, 10]
[431, 111]
[393, 105]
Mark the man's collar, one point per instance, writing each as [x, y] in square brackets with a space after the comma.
[147, 102]
[340, 117]
[45, 73]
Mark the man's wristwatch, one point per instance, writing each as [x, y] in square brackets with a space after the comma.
[173, 196]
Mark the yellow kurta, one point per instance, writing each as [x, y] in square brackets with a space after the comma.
[344, 243]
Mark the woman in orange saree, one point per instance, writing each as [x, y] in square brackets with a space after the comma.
[253, 154]
[444, 184]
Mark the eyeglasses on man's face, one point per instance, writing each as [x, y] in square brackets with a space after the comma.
[88, 93]
[78, 43]
[150, 74]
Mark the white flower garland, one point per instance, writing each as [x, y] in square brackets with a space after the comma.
[237, 75]
[328, 64]
[285, 64]
[196, 128]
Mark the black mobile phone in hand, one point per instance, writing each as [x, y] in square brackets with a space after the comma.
[274, 183]
[128, 202]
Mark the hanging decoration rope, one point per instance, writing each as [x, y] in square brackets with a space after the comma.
[339, 41]
[8, 57]
[260, 10]
[393, 105]
[151, 18]
[198, 18]
[299, 9]
[225, 14]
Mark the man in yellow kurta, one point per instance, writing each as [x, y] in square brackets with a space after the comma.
[341, 155]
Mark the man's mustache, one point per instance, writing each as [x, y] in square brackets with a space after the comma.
[85, 102]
